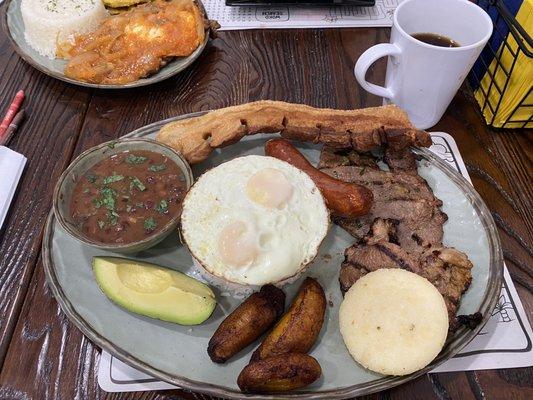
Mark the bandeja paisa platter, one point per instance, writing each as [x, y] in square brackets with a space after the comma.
[178, 353]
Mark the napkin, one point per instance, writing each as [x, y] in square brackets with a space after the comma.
[11, 167]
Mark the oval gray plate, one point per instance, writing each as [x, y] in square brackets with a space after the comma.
[14, 28]
[177, 354]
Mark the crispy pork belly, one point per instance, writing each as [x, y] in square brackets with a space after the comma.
[361, 130]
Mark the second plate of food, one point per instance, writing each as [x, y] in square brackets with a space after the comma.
[89, 43]
[179, 354]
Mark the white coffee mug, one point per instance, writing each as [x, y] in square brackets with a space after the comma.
[422, 78]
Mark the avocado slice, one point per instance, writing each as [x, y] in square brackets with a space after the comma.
[154, 291]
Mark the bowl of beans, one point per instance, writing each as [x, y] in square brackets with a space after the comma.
[123, 196]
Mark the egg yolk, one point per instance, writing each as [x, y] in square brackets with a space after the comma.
[236, 245]
[269, 187]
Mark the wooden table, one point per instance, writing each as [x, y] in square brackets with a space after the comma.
[43, 356]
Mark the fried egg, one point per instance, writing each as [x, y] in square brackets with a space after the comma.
[254, 220]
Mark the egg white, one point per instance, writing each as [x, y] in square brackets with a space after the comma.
[287, 238]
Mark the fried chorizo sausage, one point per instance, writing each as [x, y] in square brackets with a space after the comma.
[246, 323]
[344, 199]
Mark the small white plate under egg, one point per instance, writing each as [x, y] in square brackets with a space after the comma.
[254, 220]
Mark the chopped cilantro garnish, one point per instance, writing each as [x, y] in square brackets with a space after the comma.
[86, 190]
[107, 198]
[150, 224]
[135, 182]
[157, 167]
[90, 177]
[112, 178]
[133, 159]
[128, 208]
[139, 204]
[101, 224]
[111, 145]
[162, 207]
[113, 217]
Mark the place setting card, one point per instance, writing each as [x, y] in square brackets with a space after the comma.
[504, 342]
[292, 16]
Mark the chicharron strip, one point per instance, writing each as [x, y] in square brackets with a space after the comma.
[362, 130]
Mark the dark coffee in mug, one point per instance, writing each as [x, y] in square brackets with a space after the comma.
[435, 39]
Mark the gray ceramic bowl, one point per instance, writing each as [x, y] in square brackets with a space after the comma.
[67, 181]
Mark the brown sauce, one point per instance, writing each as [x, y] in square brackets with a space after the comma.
[435, 39]
[127, 197]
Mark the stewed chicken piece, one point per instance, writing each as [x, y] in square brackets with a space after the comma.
[136, 43]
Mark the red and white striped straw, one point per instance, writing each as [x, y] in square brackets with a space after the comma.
[13, 109]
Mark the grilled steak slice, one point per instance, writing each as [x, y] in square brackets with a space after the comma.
[357, 227]
[330, 158]
[403, 228]
[449, 270]
[401, 161]
[446, 268]
[418, 232]
[388, 184]
[399, 196]
[379, 249]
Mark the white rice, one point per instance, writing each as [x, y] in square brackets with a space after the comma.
[49, 22]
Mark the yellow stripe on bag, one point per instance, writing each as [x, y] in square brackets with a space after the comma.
[519, 83]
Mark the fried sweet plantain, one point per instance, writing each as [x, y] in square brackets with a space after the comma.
[297, 330]
[279, 373]
[246, 323]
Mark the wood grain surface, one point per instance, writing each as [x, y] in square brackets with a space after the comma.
[47, 139]
[43, 356]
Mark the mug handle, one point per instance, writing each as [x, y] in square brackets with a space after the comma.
[369, 57]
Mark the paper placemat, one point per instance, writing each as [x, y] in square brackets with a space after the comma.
[259, 17]
[504, 342]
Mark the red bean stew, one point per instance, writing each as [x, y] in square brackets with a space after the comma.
[127, 197]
